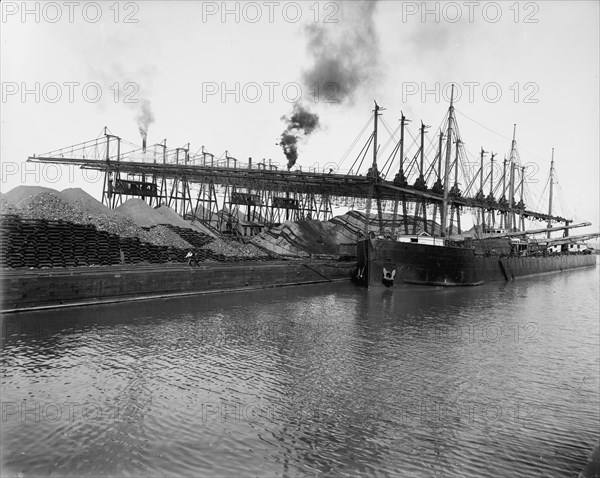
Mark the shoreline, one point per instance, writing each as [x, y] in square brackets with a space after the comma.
[30, 290]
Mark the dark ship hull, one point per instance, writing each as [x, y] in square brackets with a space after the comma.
[387, 262]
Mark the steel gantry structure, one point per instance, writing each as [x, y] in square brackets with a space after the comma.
[225, 193]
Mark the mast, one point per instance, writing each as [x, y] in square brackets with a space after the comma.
[511, 192]
[481, 170]
[458, 143]
[374, 178]
[521, 204]
[455, 187]
[422, 149]
[504, 177]
[402, 123]
[492, 176]
[375, 140]
[402, 177]
[551, 191]
[503, 199]
[491, 217]
[420, 183]
[440, 145]
[437, 187]
[480, 193]
[444, 212]
[376, 172]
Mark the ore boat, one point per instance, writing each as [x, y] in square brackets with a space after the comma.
[497, 248]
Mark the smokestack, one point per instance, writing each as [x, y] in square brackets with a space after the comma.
[143, 143]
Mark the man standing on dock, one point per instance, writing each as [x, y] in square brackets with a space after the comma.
[191, 258]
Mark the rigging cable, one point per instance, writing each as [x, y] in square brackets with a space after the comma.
[345, 155]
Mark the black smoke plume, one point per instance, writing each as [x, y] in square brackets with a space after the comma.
[344, 55]
[299, 125]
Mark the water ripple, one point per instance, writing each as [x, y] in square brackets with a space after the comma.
[499, 380]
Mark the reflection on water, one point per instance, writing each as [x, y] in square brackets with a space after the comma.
[498, 380]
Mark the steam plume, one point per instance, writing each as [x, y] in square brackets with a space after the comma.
[300, 124]
[145, 117]
[128, 92]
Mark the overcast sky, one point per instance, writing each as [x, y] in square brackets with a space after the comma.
[223, 74]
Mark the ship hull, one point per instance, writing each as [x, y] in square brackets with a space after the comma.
[385, 263]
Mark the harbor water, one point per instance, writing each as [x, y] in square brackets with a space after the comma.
[335, 380]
